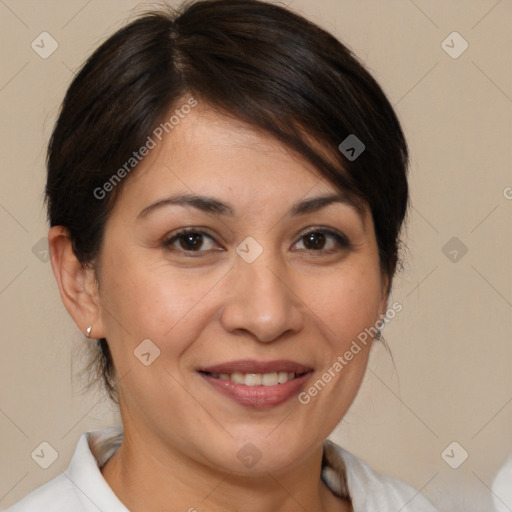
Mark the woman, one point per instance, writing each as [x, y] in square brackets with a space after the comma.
[226, 188]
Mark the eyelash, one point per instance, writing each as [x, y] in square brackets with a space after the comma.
[339, 238]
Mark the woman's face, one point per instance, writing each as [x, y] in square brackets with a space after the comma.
[266, 282]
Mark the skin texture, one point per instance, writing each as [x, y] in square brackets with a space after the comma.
[293, 302]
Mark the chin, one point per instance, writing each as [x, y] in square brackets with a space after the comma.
[258, 454]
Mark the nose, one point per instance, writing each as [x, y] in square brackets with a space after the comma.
[261, 300]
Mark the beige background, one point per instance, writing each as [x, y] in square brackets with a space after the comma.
[451, 343]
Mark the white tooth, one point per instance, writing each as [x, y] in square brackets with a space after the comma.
[215, 375]
[291, 375]
[224, 376]
[282, 377]
[269, 379]
[252, 379]
[239, 378]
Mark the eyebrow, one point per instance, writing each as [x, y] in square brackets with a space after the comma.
[215, 206]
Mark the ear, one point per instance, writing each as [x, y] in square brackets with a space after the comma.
[77, 284]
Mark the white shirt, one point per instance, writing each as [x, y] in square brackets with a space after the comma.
[82, 488]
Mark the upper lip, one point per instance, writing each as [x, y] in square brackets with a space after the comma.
[253, 366]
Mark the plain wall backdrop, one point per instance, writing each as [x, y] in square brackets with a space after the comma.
[451, 343]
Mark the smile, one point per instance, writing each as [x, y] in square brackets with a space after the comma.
[257, 384]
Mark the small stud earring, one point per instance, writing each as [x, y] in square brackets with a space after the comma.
[88, 331]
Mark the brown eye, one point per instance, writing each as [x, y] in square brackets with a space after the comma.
[324, 240]
[314, 240]
[189, 241]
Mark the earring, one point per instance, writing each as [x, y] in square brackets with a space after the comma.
[88, 331]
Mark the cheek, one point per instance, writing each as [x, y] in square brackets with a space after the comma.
[346, 302]
[346, 307]
[143, 298]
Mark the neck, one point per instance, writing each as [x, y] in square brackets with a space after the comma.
[148, 477]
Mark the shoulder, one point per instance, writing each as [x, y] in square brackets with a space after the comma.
[369, 490]
[81, 488]
[57, 495]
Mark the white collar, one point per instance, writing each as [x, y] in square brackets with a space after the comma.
[93, 449]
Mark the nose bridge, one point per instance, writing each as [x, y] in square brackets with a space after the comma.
[260, 298]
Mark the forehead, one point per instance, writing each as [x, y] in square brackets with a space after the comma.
[212, 152]
[213, 159]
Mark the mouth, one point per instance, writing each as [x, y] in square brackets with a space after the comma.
[257, 384]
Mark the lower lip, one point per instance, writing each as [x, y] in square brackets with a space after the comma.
[258, 396]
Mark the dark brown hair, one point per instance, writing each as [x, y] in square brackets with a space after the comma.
[256, 61]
